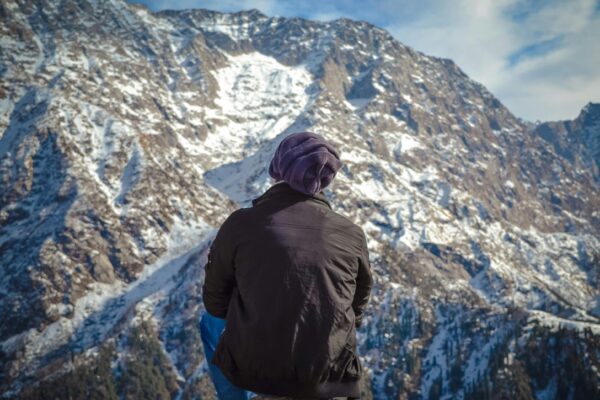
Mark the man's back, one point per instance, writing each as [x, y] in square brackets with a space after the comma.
[292, 278]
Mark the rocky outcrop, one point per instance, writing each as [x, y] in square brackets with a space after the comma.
[577, 141]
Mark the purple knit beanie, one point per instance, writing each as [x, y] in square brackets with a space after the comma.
[306, 161]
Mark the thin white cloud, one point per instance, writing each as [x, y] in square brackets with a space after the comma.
[559, 17]
[326, 16]
[481, 37]
[558, 84]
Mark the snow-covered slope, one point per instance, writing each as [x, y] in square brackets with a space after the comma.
[127, 137]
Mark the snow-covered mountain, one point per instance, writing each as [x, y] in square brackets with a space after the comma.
[127, 137]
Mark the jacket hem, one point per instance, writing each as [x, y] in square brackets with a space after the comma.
[320, 390]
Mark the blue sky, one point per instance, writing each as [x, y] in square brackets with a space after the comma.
[541, 58]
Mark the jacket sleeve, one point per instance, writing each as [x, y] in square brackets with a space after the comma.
[219, 278]
[364, 282]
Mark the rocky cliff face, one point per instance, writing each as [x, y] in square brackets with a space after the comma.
[127, 137]
[577, 141]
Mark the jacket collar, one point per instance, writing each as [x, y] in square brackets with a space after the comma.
[283, 188]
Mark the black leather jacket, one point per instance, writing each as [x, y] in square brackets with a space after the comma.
[292, 277]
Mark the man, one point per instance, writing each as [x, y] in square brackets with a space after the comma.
[291, 279]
